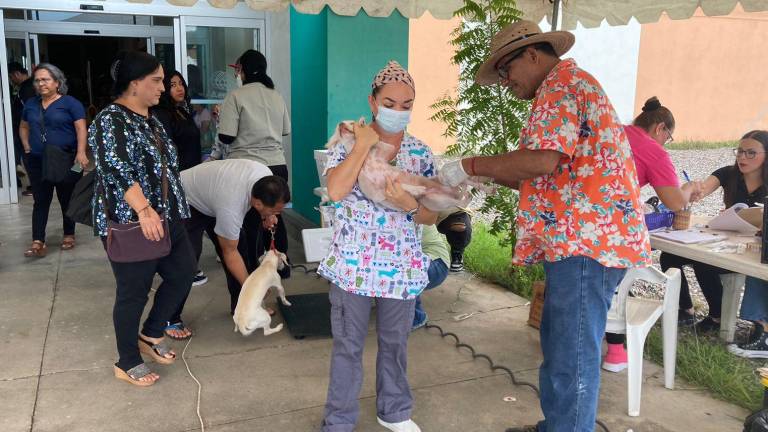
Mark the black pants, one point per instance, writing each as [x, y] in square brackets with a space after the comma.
[42, 191]
[708, 277]
[615, 338]
[250, 250]
[458, 240]
[134, 281]
[281, 233]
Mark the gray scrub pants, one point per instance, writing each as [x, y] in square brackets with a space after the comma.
[350, 314]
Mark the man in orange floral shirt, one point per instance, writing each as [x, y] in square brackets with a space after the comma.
[579, 209]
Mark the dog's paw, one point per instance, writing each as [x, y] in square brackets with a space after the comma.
[414, 189]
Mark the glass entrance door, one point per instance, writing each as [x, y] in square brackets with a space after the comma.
[8, 193]
[207, 52]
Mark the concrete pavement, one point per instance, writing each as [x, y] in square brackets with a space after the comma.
[58, 349]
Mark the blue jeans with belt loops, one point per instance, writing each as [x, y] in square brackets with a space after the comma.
[579, 291]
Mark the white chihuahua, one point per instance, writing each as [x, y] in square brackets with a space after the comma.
[250, 315]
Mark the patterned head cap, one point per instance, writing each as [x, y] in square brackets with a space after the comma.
[393, 72]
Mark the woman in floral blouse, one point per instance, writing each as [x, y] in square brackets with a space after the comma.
[130, 150]
[376, 253]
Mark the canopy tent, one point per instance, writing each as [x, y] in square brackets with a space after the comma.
[590, 13]
[441, 9]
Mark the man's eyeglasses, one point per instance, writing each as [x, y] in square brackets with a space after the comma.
[502, 67]
[749, 154]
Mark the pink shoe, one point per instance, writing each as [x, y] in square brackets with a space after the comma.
[616, 358]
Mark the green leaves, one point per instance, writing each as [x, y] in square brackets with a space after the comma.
[483, 120]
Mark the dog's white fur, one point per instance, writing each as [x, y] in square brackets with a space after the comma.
[250, 315]
[376, 170]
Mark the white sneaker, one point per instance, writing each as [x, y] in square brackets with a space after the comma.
[405, 426]
[199, 279]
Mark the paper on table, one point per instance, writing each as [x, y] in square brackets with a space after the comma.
[729, 220]
[688, 236]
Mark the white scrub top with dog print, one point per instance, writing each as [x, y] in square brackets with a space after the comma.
[376, 251]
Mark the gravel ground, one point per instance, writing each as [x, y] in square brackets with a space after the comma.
[698, 164]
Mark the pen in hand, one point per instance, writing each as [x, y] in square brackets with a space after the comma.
[695, 195]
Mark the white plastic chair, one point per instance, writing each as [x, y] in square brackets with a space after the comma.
[635, 316]
[733, 286]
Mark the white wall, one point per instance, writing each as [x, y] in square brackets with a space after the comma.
[610, 54]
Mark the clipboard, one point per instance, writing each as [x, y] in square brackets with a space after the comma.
[738, 218]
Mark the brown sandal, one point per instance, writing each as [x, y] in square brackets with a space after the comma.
[68, 242]
[157, 351]
[37, 250]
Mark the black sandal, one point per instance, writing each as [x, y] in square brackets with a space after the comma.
[157, 351]
[179, 326]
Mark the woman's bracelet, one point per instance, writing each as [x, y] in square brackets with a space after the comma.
[144, 209]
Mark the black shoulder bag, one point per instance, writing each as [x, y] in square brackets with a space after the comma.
[80, 204]
[57, 163]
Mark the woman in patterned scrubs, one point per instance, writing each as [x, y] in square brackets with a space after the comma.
[376, 254]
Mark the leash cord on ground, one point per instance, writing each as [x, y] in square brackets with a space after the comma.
[494, 367]
[199, 386]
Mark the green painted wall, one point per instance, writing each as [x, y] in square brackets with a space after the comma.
[309, 113]
[333, 60]
[358, 47]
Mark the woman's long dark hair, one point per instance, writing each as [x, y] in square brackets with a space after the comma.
[180, 111]
[729, 192]
[254, 67]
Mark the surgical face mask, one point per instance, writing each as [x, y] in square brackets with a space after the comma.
[392, 121]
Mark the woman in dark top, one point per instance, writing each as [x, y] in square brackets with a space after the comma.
[744, 182]
[131, 150]
[51, 119]
[175, 113]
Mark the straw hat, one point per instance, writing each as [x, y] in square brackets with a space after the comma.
[515, 36]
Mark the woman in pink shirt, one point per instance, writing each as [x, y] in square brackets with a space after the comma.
[648, 134]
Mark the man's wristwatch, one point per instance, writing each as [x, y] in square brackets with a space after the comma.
[415, 211]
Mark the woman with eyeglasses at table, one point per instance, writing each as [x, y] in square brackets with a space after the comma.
[648, 134]
[742, 182]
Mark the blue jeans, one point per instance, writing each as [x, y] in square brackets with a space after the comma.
[579, 291]
[437, 272]
[754, 305]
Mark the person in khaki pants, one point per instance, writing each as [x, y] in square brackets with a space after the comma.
[253, 120]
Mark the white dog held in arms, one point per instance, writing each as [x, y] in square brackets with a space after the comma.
[376, 170]
[250, 315]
